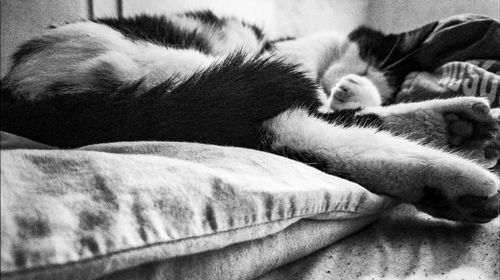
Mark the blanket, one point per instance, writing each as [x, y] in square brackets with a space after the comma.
[404, 244]
[456, 56]
[479, 78]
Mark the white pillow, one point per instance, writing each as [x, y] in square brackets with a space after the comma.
[82, 214]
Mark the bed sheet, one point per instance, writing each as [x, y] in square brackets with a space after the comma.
[404, 244]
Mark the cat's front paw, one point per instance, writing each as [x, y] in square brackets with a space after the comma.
[464, 192]
[354, 91]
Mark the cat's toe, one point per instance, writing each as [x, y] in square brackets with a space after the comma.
[471, 200]
[492, 150]
[487, 210]
[473, 108]
[341, 93]
[474, 128]
[463, 191]
[481, 109]
[467, 208]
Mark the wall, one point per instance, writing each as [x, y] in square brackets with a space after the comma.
[22, 19]
[277, 17]
[402, 15]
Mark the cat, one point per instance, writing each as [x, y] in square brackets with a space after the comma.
[347, 81]
[198, 77]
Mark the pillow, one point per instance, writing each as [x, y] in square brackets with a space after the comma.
[89, 212]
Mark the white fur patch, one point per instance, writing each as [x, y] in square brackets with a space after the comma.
[353, 91]
[328, 58]
[79, 48]
[314, 53]
[379, 161]
[351, 63]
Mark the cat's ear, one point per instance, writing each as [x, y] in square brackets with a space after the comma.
[374, 45]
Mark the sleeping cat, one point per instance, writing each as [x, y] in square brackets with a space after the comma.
[201, 78]
[347, 81]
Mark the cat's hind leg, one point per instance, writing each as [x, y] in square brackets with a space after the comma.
[440, 183]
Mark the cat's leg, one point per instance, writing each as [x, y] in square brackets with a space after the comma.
[440, 183]
[465, 124]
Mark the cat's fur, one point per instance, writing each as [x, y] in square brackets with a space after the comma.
[201, 78]
[347, 81]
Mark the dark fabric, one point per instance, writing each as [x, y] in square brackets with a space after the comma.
[472, 78]
[457, 38]
[472, 40]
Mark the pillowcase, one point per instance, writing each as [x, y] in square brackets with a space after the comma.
[88, 212]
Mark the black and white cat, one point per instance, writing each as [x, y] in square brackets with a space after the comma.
[346, 80]
[201, 78]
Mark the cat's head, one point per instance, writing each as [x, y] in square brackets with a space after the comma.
[365, 54]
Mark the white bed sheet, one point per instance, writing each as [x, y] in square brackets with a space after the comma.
[404, 244]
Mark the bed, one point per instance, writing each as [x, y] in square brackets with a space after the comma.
[215, 213]
[167, 210]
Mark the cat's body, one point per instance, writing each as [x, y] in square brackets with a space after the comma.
[346, 81]
[200, 78]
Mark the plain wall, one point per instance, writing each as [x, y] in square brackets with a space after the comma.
[402, 15]
[21, 20]
[279, 18]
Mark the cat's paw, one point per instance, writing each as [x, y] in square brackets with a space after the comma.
[465, 124]
[474, 128]
[354, 91]
[461, 191]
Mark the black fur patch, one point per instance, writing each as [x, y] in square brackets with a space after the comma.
[32, 47]
[259, 34]
[270, 44]
[383, 51]
[206, 17]
[104, 77]
[374, 46]
[282, 39]
[158, 30]
[225, 105]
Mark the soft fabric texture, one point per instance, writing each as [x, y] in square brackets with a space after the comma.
[85, 213]
[250, 259]
[461, 53]
[471, 78]
[404, 244]
[457, 38]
